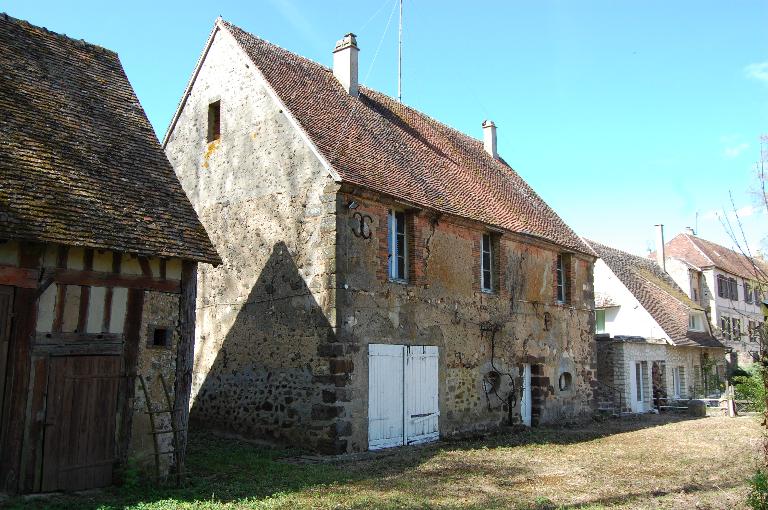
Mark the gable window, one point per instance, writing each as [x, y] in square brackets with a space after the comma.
[397, 246]
[486, 264]
[214, 121]
[562, 276]
[748, 292]
[599, 321]
[695, 322]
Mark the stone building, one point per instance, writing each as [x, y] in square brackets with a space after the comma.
[386, 280]
[727, 284]
[652, 340]
[98, 254]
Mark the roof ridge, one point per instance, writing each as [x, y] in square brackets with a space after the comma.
[229, 25]
[81, 42]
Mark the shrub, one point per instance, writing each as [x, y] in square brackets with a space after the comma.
[758, 495]
[751, 387]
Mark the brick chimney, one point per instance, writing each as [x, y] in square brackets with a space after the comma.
[345, 63]
[660, 255]
[489, 138]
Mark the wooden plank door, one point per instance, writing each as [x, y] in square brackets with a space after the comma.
[385, 395]
[421, 403]
[79, 443]
[6, 310]
[526, 402]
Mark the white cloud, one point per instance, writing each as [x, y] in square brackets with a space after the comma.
[735, 150]
[758, 71]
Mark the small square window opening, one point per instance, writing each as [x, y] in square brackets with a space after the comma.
[159, 337]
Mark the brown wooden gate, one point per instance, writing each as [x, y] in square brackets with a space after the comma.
[79, 440]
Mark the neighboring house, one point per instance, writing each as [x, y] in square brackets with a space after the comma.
[386, 278]
[725, 283]
[652, 340]
[98, 254]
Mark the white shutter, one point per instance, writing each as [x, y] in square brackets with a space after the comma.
[385, 395]
[421, 405]
[525, 399]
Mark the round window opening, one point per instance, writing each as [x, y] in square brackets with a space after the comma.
[565, 381]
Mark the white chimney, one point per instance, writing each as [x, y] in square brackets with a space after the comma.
[690, 231]
[660, 258]
[345, 63]
[489, 138]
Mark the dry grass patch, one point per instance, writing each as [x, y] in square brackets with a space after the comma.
[650, 462]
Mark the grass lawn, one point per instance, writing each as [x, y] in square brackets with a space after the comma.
[650, 462]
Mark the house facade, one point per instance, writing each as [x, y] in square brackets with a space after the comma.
[387, 280]
[98, 254]
[653, 342]
[726, 284]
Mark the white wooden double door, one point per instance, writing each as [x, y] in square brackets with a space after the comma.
[402, 395]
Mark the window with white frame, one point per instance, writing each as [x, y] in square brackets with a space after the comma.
[725, 326]
[398, 241]
[561, 278]
[748, 294]
[486, 263]
[677, 382]
[600, 321]
[735, 328]
[733, 289]
[696, 321]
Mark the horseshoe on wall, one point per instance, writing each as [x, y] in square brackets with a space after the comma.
[364, 225]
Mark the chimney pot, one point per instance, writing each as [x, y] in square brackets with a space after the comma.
[660, 255]
[345, 65]
[690, 231]
[489, 138]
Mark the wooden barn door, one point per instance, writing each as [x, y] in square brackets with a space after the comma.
[6, 308]
[79, 443]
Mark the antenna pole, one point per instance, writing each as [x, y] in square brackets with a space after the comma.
[400, 57]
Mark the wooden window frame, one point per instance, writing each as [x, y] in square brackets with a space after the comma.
[397, 246]
[748, 294]
[561, 278]
[486, 247]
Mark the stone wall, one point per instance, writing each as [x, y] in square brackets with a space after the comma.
[443, 305]
[269, 207]
[160, 311]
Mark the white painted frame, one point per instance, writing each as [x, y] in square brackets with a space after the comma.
[526, 404]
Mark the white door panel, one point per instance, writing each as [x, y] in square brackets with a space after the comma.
[421, 407]
[525, 400]
[402, 395]
[385, 395]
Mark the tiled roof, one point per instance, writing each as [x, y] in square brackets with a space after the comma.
[658, 293]
[79, 162]
[702, 253]
[377, 143]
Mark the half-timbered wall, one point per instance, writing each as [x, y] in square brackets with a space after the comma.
[84, 304]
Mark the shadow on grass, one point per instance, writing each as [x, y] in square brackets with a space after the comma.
[224, 471]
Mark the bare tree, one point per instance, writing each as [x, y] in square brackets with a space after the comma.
[756, 267]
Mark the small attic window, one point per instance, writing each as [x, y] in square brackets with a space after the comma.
[214, 121]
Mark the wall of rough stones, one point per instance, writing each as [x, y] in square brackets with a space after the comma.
[269, 207]
[443, 305]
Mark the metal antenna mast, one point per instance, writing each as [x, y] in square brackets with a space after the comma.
[400, 56]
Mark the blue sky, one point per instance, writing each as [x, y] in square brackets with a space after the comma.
[620, 114]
